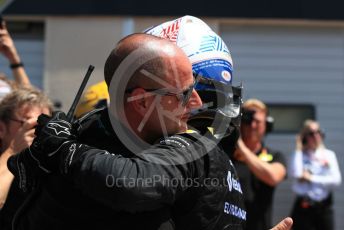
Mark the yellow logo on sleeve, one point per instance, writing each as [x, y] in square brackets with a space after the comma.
[265, 156]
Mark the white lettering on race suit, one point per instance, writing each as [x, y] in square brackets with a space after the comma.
[233, 183]
[234, 210]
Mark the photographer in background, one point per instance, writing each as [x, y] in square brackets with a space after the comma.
[260, 169]
[18, 117]
[315, 171]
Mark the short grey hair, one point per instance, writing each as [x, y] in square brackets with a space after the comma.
[22, 96]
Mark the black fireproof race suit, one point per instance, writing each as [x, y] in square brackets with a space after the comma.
[109, 188]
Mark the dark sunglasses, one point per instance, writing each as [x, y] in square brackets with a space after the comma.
[313, 133]
[183, 96]
[21, 122]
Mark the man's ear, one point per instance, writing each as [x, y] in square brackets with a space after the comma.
[140, 100]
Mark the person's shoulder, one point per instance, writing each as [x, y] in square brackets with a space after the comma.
[275, 155]
[274, 151]
[184, 139]
[189, 139]
[95, 119]
[93, 114]
[329, 152]
[189, 147]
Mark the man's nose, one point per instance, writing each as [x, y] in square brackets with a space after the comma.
[195, 101]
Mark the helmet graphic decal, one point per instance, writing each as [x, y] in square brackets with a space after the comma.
[211, 43]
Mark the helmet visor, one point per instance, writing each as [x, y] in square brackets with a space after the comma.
[219, 97]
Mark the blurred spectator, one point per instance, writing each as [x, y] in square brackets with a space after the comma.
[315, 171]
[9, 51]
[18, 114]
[260, 168]
[96, 96]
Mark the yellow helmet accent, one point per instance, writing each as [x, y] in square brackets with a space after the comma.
[91, 97]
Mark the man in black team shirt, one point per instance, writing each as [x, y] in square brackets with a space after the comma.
[167, 178]
[178, 182]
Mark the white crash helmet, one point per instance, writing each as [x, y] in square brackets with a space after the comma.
[212, 66]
